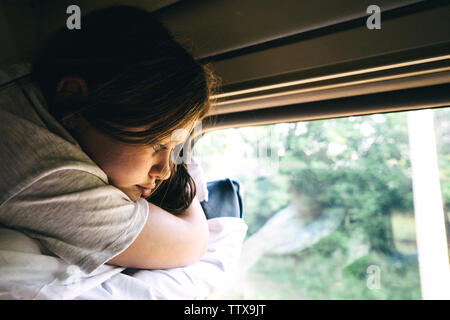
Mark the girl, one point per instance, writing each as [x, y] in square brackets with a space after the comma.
[88, 141]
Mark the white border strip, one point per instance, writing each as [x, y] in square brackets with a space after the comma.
[428, 209]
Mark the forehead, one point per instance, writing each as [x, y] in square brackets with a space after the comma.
[177, 136]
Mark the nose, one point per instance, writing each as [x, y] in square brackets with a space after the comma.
[163, 174]
[161, 169]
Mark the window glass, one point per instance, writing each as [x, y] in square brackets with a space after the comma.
[329, 205]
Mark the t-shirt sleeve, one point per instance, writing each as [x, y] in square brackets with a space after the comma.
[76, 216]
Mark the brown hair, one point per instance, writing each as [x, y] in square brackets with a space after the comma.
[137, 76]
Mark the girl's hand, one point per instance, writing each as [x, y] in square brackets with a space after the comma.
[198, 175]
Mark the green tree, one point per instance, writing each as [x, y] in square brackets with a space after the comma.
[360, 164]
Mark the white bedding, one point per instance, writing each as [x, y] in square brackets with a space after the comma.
[28, 272]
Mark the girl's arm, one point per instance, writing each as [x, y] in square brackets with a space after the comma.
[167, 240]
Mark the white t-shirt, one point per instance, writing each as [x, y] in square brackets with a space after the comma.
[53, 191]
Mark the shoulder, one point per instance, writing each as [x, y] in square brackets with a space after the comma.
[13, 72]
[35, 146]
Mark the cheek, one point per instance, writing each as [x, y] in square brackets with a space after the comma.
[128, 171]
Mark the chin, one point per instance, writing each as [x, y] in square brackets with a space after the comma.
[134, 198]
[133, 195]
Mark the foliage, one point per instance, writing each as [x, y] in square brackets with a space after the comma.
[360, 164]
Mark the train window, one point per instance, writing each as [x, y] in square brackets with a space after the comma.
[330, 205]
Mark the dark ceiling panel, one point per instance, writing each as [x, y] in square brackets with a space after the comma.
[25, 24]
[410, 32]
[53, 13]
[219, 26]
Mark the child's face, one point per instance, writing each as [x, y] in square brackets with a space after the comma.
[128, 165]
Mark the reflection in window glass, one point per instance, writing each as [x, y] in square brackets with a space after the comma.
[329, 206]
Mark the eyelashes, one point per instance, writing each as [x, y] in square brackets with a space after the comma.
[158, 147]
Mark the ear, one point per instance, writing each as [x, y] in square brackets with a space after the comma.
[70, 121]
[68, 86]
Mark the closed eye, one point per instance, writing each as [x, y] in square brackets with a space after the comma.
[158, 147]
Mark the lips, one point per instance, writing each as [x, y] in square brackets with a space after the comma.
[147, 186]
[145, 191]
